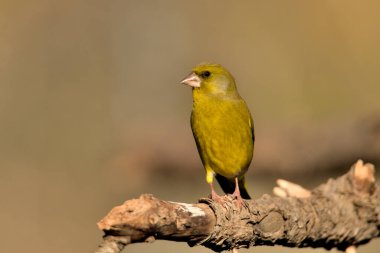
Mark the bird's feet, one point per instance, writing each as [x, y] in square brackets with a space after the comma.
[214, 196]
[238, 199]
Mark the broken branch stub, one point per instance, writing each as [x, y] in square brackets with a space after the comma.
[148, 218]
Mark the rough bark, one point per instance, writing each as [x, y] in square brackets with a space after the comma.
[338, 214]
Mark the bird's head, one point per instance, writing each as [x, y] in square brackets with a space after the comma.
[211, 78]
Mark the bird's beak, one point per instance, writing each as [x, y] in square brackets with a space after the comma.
[192, 80]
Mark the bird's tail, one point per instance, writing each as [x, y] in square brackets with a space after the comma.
[228, 186]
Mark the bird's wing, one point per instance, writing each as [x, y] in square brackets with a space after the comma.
[251, 125]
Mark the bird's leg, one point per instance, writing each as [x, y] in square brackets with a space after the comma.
[210, 179]
[236, 194]
[214, 195]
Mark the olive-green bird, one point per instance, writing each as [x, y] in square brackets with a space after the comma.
[222, 127]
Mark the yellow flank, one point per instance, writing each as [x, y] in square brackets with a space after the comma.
[222, 126]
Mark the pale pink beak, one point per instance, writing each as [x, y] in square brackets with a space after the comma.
[192, 80]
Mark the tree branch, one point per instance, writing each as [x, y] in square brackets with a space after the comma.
[341, 213]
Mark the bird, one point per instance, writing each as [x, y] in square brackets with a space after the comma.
[222, 127]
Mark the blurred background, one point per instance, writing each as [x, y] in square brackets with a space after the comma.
[92, 112]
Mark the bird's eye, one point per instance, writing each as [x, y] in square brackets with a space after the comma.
[206, 74]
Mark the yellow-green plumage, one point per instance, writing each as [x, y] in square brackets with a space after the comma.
[222, 126]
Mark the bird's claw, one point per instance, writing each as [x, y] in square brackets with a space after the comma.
[238, 200]
[214, 196]
[237, 197]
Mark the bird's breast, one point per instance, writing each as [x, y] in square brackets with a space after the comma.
[223, 137]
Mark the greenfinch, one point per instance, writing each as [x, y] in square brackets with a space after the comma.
[222, 127]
